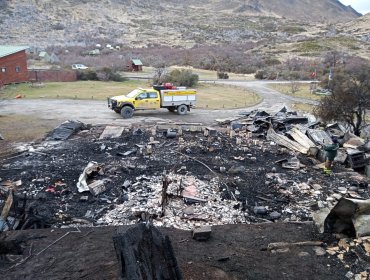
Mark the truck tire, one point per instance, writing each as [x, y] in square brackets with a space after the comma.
[127, 112]
[182, 110]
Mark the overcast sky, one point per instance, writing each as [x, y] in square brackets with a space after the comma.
[361, 6]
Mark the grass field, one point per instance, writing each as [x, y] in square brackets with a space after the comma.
[303, 91]
[22, 128]
[211, 96]
[27, 128]
[223, 96]
[79, 90]
[303, 108]
[203, 74]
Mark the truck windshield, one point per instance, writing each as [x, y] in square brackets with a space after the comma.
[133, 93]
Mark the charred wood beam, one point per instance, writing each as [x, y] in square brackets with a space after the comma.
[143, 253]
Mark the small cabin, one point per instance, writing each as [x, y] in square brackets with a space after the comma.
[134, 65]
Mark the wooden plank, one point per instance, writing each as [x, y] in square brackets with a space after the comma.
[285, 141]
[111, 132]
[301, 138]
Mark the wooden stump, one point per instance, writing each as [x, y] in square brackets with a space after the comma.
[143, 253]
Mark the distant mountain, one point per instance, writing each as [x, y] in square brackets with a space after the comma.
[164, 22]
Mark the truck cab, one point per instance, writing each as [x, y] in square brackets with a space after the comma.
[154, 98]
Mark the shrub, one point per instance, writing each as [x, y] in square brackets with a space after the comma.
[107, 74]
[260, 74]
[222, 75]
[89, 75]
[183, 77]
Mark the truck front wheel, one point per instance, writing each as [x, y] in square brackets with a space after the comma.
[182, 110]
[127, 112]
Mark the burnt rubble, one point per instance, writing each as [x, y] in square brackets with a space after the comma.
[257, 169]
[107, 175]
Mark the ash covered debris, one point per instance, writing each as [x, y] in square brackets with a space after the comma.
[193, 177]
[66, 130]
[217, 176]
[304, 134]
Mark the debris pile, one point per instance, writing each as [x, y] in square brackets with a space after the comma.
[107, 175]
[260, 169]
[190, 202]
[305, 135]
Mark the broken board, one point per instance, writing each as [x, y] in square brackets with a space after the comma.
[111, 132]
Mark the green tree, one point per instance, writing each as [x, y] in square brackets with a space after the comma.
[350, 97]
[183, 77]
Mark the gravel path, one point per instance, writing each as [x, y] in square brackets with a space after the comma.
[96, 112]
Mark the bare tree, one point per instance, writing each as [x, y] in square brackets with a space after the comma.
[294, 86]
[350, 97]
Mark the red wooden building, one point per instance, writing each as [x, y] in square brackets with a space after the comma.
[134, 65]
[13, 65]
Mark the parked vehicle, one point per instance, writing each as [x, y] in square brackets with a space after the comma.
[179, 99]
[79, 67]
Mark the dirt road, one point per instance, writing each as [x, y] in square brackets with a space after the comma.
[96, 112]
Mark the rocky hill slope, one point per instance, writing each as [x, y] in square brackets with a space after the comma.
[168, 22]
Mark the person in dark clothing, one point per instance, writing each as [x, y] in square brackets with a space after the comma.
[331, 152]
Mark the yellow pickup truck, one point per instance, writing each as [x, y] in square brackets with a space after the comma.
[174, 99]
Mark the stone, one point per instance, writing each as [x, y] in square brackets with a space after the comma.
[126, 183]
[319, 251]
[189, 210]
[342, 190]
[275, 215]
[303, 254]
[236, 169]
[260, 210]
[337, 196]
[97, 187]
[202, 233]
[84, 198]
[349, 275]
[367, 170]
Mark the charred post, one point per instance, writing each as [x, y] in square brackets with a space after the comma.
[143, 253]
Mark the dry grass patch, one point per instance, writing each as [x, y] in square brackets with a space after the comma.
[225, 96]
[22, 128]
[303, 107]
[302, 92]
[213, 96]
[73, 90]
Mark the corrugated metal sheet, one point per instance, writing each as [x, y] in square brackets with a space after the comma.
[319, 137]
[8, 50]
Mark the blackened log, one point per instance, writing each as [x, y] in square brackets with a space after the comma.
[12, 247]
[143, 253]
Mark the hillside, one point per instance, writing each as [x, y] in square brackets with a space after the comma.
[170, 22]
[359, 27]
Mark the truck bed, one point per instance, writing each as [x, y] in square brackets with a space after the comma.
[178, 97]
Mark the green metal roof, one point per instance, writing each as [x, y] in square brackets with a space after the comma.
[137, 62]
[8, 50]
